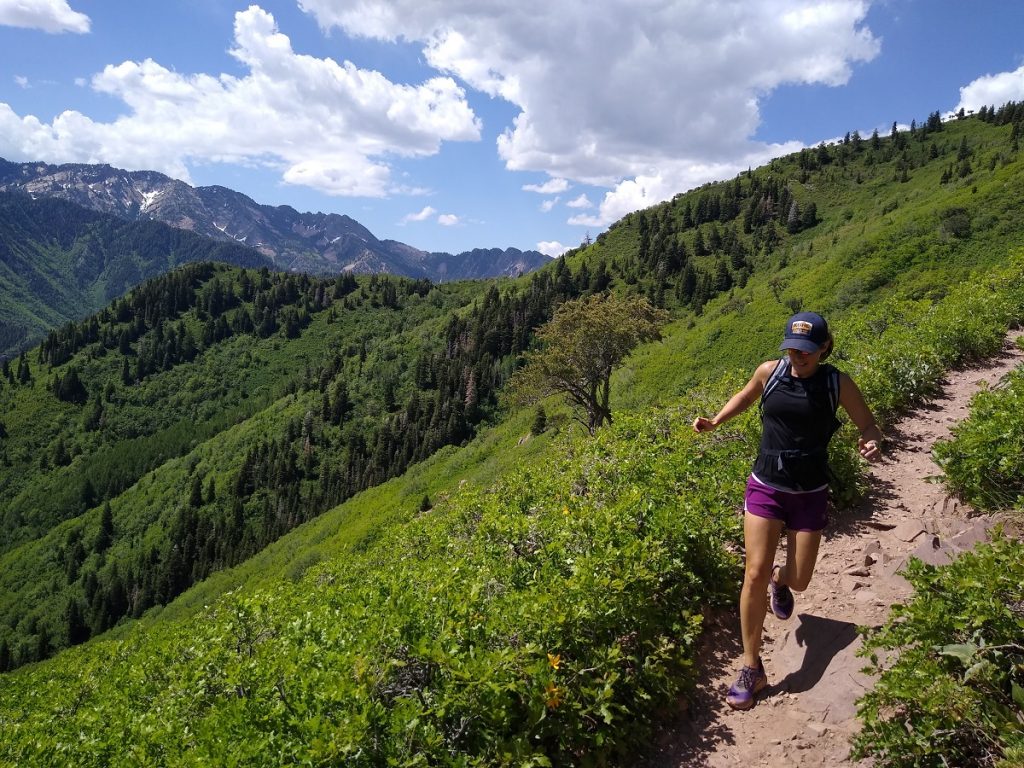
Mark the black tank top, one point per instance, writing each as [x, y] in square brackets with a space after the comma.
[798, 419]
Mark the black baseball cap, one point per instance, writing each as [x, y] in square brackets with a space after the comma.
[805, 331]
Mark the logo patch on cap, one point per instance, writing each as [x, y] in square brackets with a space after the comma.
[801, 328]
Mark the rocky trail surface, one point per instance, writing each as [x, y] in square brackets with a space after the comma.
[807, 714]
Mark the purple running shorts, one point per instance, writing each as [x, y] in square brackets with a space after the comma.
[799, 510]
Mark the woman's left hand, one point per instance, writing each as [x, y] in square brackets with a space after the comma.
[869, 449]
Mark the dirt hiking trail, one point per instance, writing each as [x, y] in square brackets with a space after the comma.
[807, 714]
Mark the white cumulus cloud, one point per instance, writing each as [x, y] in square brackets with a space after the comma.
[636, 96]
[547, 205]
[447, 219]
[319, 123]
[580, 202]
[53, 16]
[552, 248]
[992, 90]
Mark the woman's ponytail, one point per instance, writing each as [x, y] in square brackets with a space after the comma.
[827, 352]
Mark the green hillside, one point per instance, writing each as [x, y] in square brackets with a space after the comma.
[512, 600]
[60, 262]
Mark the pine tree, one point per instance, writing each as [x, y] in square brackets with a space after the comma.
[540, 421]
[809, 218]
[105, 536]
[24, 376]
[793, 219]
[74, 621]
[94, 415]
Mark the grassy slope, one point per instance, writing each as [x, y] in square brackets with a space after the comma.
[830, 269]
[876, 238]
[535, 621]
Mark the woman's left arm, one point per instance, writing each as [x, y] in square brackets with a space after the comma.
[850, 397]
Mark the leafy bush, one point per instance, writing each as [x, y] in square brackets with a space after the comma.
[984, 461]
[901, 349]
[545, 620]
[955, 693]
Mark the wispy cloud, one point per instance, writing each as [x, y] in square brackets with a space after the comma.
[448, 220]
[547, 205]
[423, 215]
[551, 187]
[580, 202]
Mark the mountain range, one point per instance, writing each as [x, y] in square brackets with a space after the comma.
[316, 243]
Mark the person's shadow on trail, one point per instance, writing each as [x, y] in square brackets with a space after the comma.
[821, 640]
[810, 647]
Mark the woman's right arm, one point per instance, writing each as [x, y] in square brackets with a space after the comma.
[739, 402]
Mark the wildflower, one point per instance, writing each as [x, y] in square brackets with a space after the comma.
[554, 660]
[553, 696]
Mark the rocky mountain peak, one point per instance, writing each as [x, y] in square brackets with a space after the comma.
[318, 243]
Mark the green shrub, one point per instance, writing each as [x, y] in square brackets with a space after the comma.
[545, 620]
[950, 689]
[900, 350]
[983, 463]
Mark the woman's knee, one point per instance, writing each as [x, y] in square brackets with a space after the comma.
[757, 573]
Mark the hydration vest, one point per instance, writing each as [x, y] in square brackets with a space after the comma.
[779, 373]
[804, 467]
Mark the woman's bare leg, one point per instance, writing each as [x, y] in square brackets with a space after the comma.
[801, 556]
[761, 539]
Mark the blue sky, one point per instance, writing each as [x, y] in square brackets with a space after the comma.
[454, 124]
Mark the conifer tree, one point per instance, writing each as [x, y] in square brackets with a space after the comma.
[540, 421]
[74, 620]
[105, 536]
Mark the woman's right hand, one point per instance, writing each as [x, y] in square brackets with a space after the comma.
[700, 424]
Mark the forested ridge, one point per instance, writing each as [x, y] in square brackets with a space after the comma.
[60, 261]
[213, 410]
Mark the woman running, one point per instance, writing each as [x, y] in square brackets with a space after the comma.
[788, 487]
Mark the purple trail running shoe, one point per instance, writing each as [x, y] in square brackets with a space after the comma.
[781, 597]
[750, 682]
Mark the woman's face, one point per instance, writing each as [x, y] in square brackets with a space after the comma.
[804, 363]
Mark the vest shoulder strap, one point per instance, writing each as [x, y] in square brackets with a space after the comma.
[780, 371]
[833, 388]
[774, 380]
